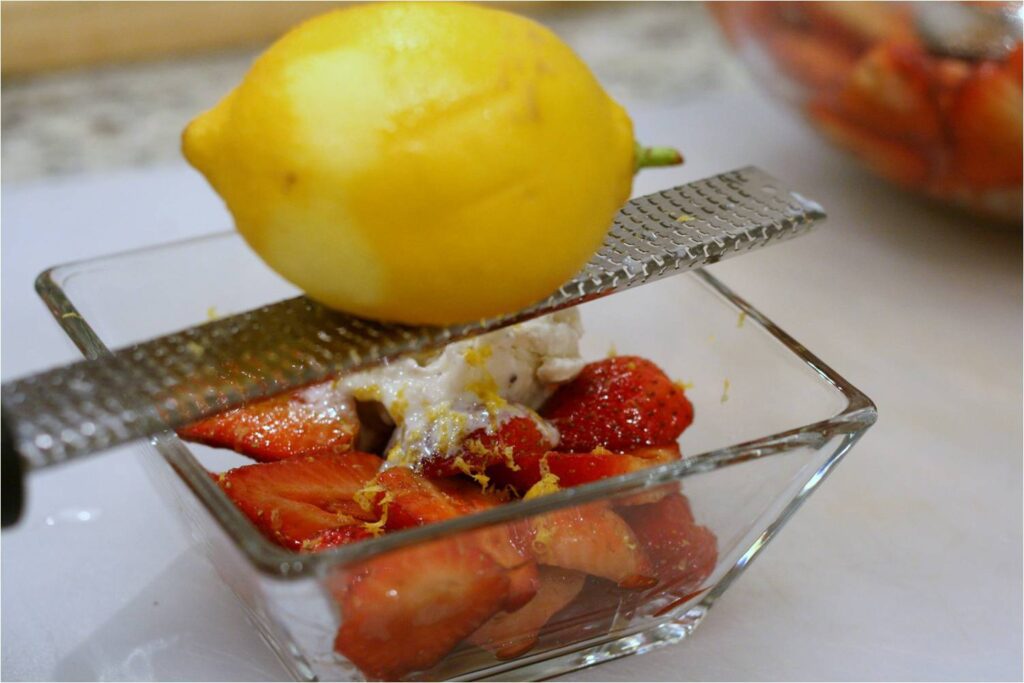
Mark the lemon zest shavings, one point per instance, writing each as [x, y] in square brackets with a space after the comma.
[725, 390]
[542, 539]
[475, 473]
[364, 496]
[377, 528]
[486, 389]
[371, 392]
[509, 454]
[399, 406]
[547, 484]
[477, 356]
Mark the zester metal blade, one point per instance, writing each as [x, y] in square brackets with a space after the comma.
[173, 380]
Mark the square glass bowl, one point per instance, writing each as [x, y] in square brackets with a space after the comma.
[771, 422]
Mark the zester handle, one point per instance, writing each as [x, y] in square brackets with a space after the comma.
[177, 379]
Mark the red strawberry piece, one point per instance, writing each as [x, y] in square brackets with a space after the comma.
[576, 469]
[986, 122]
[511, 634]
[682, 553]
[278, 428]
[404, 611]
[411, 500]
[593, 539]
[890, 93]
[809, 59]
[333, 538]
[291, 501]
[620, 404]
[900, 162]
[1015, 63]
[484, 447]
[593, 613]
[857, 24]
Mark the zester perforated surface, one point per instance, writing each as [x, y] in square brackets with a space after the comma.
[179, 378]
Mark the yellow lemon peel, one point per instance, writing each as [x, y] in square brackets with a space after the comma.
[377, 528]
[473, 472]
[364, 496]
[484, 154]
[547, 484]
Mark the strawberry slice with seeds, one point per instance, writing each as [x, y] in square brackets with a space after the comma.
[408, 499]
[618, 403]
[682, 553]
[576, 469]
[593, 539]
[482, 448]
[291, 501]
[404, 611]
[297, 423]
[511, 634]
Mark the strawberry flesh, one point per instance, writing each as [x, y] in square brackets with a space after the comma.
[409, 500]
[593, 539]
[511, 634]
[404, 611]
[987, 122]
[291, 501]
[618, 403]
[576, 469]
[682, 553]
[482, 448]
[282, 427]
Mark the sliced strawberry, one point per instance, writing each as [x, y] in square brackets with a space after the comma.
[511, 634]
[1015, 63]
[593, 613]
[404, 611]
[619, 403]
[986, 122]
[484, 447]
[591, 538]
[411, 500]
[808, 59]
[291, 501]
[287, 426]
[858, 24]
[576, 469]
[900, 162]
[682, 554]
[890, 93]
[333, 538]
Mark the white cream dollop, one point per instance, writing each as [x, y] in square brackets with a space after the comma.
[477, 383]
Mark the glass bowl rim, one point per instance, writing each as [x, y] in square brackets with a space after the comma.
[270, 559]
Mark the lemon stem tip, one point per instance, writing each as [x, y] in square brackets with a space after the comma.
[650, 157]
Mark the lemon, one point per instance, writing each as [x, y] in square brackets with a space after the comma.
[421, 162]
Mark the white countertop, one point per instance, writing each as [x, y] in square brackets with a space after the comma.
[905, 565]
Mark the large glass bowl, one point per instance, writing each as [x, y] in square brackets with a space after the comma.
[919, 94]
[771, 422]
